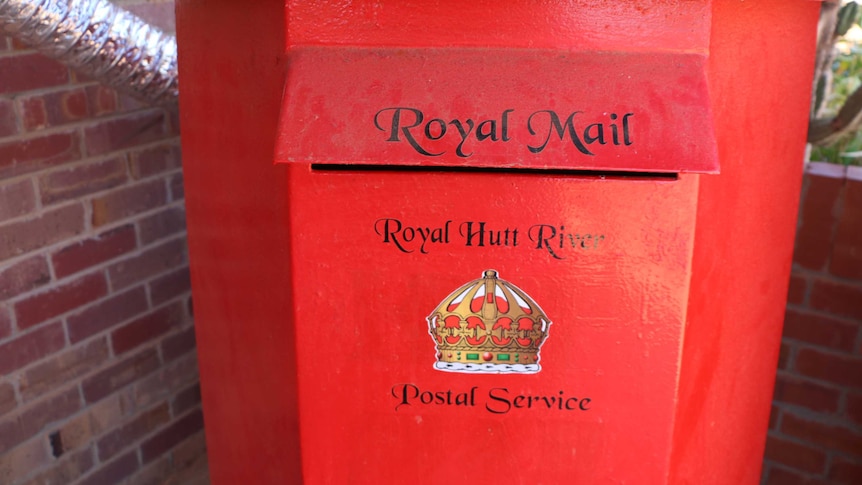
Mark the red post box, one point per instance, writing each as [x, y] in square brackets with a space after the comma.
[491, 242]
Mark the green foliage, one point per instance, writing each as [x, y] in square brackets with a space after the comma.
[846, 78]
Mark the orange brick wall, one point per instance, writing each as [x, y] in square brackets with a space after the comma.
[815, 434]
[98, 372]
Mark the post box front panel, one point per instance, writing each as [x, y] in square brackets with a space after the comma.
[473, 327]
[498, 108]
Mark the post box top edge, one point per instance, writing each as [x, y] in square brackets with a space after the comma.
[682, 25]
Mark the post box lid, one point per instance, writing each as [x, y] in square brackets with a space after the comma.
[497, 108]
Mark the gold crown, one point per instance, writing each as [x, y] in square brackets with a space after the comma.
[488, 326]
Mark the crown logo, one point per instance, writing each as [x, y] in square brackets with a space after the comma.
[488, 326]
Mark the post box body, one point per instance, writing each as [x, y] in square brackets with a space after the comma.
[493, 243]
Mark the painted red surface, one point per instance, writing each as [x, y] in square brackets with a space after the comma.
[515, 108]
[312, 284]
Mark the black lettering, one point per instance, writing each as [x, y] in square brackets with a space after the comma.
[542, 234]
[468, 233]
[505, 124]
[405, 398]
[599, 136]
[441, 129]
[615, 130]
[627, 139]
[554, 125]
[390, 234]
[396, 126]
[464, 134]
[494, 397]
[490, 132]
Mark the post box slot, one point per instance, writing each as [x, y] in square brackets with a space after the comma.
[501, 108]
[334, 167]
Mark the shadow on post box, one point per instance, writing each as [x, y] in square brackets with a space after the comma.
[491, 253]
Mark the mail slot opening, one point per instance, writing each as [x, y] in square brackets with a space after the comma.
[559, 172]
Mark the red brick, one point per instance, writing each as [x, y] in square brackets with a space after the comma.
[119, 375]
[795, 455]
[779, 476]
[8, 401]
[63, 368]
[774, 416]
[102, 100]
[40, 307]
[66, 470]
[152, 161]
[186, 399]
[844, 471]
[847, 250]
[125, 132]
[169, 437]
[820, 330]
[85, 254]
[73, 182]
[819, 205]
[18, 157]
[34, 114]
[53, 226]
[129, 103]
[5, 322]
[177, 187]
[7, 116]
[120, 438]
[23, 459]
[797, 290]
[17, 429]
[191, 453]
[165, 257]
[16, 199]
[170, 286]
[178, 345]
[791, 390]
[128, 201]
[837, 298]
[830, 367]
[854, 407]
[24, 276]
[162, 224]
[171, 379]
[154, 474]
[113, 472]
[30, 71]
[82, 430]
[147, 328]
[830, 436]
[30, 347]
[106, 314]
[54, 109]
[784, 355]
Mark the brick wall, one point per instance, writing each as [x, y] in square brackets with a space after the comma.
[98, 374]
[815, 434]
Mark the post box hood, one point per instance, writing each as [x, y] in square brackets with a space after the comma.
[643, 111]
[101, 40]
